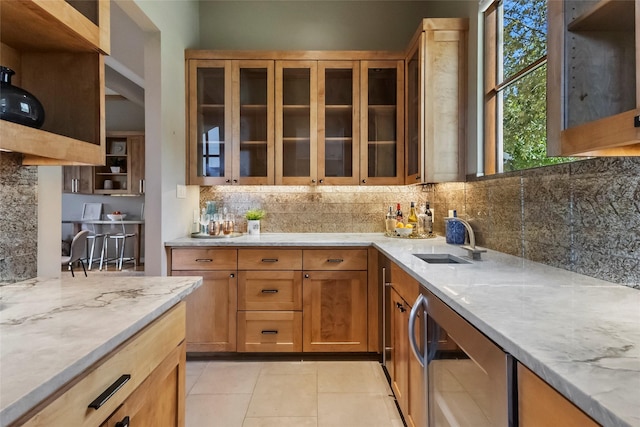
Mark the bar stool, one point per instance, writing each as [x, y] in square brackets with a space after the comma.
[120, 240]
[93, 237]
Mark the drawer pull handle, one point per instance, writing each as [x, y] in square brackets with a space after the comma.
[335, 260]
[123, 423]
[269, 259]
[106, 395]
[269, 291]
[204, 260]
[269, 332]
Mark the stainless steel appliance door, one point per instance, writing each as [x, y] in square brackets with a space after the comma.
[468, 374]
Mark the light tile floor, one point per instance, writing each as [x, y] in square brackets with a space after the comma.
[282, 394]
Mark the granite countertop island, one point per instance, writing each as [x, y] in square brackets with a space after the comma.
[579, 334]
[51, 330]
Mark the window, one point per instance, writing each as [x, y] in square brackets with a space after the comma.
[515, 75]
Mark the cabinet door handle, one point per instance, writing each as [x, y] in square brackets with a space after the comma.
[401, 307]
[106, 395]
[235, 181]
[322, 181]
[636, 121]
[418, 178]
[364, 181]
[232, 275]
[269, 291]
[313, 181]
[204, 260]
[228, 181]
[269, 332]
[269, 259]
[141, 186]
[306, 276]
[335, 260]
[123, 423]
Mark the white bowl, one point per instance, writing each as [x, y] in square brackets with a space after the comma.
[115, 169]
[114, 217]
[404, 232]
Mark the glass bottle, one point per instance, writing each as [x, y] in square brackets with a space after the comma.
[399, 217]
[428, 223]
[412, 219]
[390, 221]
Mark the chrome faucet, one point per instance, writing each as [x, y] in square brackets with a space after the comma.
[474, 253]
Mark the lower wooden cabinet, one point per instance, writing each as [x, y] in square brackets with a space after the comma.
[540, 405]
[270, 331]
[400, 352]
[334, 311]
[160, 400]
[211, 312]
[150, 370]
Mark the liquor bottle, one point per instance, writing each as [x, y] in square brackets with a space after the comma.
[412, 220]
[428, 222]
[399, 217]
[390, 221]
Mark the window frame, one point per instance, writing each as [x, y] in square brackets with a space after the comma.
[493, 84]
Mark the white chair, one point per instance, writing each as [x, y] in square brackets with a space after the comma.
[120, 240]
[78, 245]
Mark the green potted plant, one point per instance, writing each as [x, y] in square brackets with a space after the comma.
[253, 217]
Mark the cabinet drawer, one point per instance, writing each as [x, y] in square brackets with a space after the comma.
[406, 286]
[270, 290]
[270, 331]
[137, 357]
[204, 259]
[334, 259]
[269, 259]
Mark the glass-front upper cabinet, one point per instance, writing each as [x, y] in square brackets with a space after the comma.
[253, 124]
[209, 147]
[296, 122]
[338, 122]
[382, 122]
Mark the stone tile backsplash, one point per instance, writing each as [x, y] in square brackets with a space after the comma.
[582, 216]
[19, 213]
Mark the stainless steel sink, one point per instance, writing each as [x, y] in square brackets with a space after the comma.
[441, 259]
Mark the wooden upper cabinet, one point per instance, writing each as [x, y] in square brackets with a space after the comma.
[296, 122]
[436, 111]
[593, 84]
[252, 122]
[68, 40]
[382, 122]
[338, 122]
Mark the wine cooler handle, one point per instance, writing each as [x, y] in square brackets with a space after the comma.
[413, 315]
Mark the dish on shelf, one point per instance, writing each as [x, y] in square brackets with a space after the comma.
[209, 236]
[114, 217]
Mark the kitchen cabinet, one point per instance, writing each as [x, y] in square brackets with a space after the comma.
[406, 376]
[269, 300]
[150, 370]
[334, 300]
[540, 405]
[211, 309]
[68, 40]
[382, 122]
[296, 122]
[314, 137]
[77, 179]
[125, 150]
[436, 70]
[338, 122]
[593, 84]
[230, 132]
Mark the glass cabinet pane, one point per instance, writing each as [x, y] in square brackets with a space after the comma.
[253, 122]
[338, 142]
[211, 122]
[296, 122]
[381, 126]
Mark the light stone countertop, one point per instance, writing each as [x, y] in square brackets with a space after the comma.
[51, 330]
[580, 334]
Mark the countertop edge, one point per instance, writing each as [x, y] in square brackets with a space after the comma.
[21, 407]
